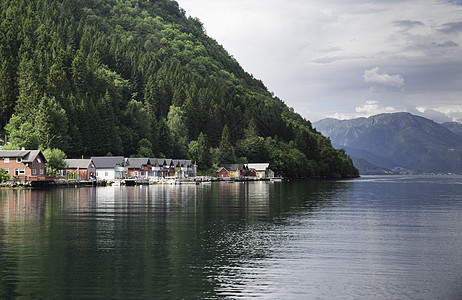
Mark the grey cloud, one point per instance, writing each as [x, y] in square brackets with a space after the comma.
[447, 44]
[408, 23]
[452, 27]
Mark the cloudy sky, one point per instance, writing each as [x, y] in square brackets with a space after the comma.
[346, 58]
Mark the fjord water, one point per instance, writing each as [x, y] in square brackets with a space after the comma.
[390, 237]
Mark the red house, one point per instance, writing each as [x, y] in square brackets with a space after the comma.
[138, 167]
[24, 164]
[222, 173]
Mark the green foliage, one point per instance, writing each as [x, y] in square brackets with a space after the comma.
[199, 152]
[145, 148]
[97, 76]
[10, 147]
[4, 175]
[225, 152]
[56, 160]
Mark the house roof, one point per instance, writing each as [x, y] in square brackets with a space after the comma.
[137, 162]
[160, 161]
[108, 162]
[181, 162]
[78, 163]
[258, 166]
[222, 168]
[232, 167]
[27, 156]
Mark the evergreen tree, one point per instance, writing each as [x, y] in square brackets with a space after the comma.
[225, 153]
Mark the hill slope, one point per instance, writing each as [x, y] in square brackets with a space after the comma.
[454, 127]
[136, 77]
[397, 140]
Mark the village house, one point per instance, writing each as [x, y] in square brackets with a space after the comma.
[248, 173]
[230, 170]
[24, 164]
[80, 169]
[110, 167]
[262, 170]
[164, 167]
[235, 171]
[138, 167]
[184, 168]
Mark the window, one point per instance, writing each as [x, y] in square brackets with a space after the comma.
[18, 159]
[106, 174]
[6, 160]
[41, 171]
[39, 160]
[34, 172]
[19, 171]
[7, 171]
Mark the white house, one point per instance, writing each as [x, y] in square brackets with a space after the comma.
[110, 167]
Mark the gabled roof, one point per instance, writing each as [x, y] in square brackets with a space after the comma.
[108, 162]
[258, 166]
[233, 167]
[78, 163]
[154, 160]
[185, 162]
[222, 168]
[27, 156]
[137, 162]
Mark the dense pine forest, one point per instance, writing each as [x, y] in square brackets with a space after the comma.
[138, 77]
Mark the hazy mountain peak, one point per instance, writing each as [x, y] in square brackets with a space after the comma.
[398, 140]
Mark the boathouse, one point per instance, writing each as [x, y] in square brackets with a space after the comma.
[110, 167]
[80, 169]
[138, 167]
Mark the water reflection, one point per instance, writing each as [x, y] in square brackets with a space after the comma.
[118, 242]
[228, 240]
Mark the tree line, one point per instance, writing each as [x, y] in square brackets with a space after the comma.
[139, 78]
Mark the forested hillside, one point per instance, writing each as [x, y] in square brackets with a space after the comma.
[137, 77]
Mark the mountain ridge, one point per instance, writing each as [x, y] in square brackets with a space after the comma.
[397, 140]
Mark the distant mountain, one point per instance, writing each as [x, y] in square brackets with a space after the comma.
[455, 127]
[367, 168]
[398, 141]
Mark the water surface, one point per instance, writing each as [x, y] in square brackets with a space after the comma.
[390, 237]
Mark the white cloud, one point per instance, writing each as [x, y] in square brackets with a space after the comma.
[325, 55]
[439, 114]
[374, 76]
[373, 107]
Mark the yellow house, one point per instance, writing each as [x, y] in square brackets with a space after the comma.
[233, 171]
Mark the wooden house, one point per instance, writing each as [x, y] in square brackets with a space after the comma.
[138, 167]
[156, 166]
[110, 167]
[246, 172]
[232, 170]
[261, 169]
[222, 172]
[24, 164]
[185, 169]
[80, 169]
